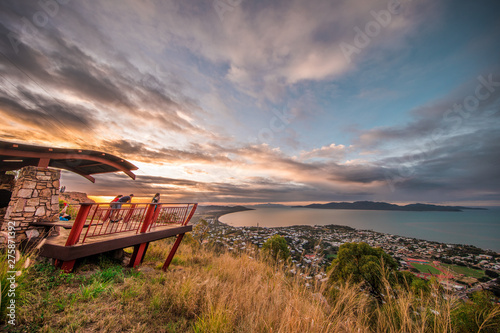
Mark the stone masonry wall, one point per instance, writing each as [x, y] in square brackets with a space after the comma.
[35, 198]
[7, 182]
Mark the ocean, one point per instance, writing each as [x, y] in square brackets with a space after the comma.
[480, 228]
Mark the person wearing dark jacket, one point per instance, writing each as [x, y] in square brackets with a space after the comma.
[125, 199]
[120, 202]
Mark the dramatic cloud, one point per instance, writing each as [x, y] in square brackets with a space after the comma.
[335, 152]
[240, 101]
[473, 106]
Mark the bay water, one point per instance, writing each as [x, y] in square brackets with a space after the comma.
[480, 228]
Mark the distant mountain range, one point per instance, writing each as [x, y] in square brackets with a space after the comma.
[268, 205]
[370, 205]
[211, 209]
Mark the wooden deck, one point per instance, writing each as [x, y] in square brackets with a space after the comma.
[54, 247]
[92, 231]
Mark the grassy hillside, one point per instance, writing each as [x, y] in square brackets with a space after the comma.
[205, 291]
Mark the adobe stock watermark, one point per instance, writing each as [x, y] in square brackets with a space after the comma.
[277, 124]
[454, 116]
[363, 38]
[48, 9]
[222, 7]
[10, 289]
[151, 81]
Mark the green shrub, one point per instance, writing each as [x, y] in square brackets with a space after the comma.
[479, 314]
[276, 247]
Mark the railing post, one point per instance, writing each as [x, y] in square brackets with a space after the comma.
[190, 214]
[147, 219]
[74, 235]
[79, 223]
[157, 211]
[107, 215]
[129, 213]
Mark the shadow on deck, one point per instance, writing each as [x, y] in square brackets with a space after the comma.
[94, 231]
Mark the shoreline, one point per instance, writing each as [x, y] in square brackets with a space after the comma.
[222, 213]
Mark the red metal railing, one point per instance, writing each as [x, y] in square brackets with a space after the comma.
[103, 219]
[166, 214]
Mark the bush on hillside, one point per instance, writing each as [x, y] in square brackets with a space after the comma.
[479, 314]
[361, 263]
[276, 247]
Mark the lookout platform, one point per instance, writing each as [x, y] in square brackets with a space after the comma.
[100, 228]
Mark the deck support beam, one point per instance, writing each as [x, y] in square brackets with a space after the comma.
[140, 250]
[139, 254]
[74, 235]
[172, 252]
[67, 266]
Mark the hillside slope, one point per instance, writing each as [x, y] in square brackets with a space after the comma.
[204, 291]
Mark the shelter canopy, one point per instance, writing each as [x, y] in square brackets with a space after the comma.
[14, 156]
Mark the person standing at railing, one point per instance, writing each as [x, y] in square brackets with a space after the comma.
[112, 206]
[156, 199]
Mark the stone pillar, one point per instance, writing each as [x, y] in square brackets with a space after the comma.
[35, 198]
[7, 183]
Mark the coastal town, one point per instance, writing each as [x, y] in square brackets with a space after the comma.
[459, 268]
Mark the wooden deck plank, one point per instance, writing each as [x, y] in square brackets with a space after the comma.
[54, 246]
[64, 224]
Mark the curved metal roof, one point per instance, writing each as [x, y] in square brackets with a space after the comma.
[14, 156]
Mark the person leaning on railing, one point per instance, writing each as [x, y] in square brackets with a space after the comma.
[120, 202]
[113, 206]
[125, 199]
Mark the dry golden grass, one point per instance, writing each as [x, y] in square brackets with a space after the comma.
[208, 292]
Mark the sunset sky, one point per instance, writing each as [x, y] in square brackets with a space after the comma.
[262, 101]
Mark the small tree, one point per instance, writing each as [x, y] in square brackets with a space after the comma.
[361, 263]
[200, 230]
[480, 314]
[277, 247]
